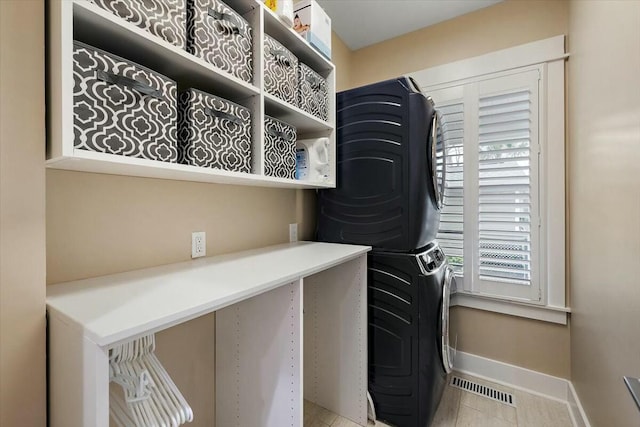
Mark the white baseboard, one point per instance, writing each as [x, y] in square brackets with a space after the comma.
[524, 379]
[578, 416]
[511, 375]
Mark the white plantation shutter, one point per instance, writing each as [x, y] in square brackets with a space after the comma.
[504, 200]
[507, 187]
[450, 145]
[489, 223]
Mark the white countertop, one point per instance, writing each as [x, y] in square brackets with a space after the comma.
[117, 307]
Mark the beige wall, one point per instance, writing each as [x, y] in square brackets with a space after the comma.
[536, 345]
[604, 153]
[504, 25]
[22, 215]
[531, 344]
[341, 58]
[528, 343]
[100, 224]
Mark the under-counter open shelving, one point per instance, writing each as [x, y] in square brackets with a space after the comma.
[84, 21]
[291, 321]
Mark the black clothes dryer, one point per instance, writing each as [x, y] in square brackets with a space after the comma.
[408, 298]
[388, 192]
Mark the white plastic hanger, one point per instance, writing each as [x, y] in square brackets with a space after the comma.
[151, 398]
[171, 412]
[124, 375]
[166, 385]
[186, 414]
[163, 412]
[119, 410]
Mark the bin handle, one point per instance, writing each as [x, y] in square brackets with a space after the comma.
[281, 57]
[230, 23]
[222, 116]
[278, 134]
[315, 82]
[128, 82]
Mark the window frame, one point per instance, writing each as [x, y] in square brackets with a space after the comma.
[548, 57]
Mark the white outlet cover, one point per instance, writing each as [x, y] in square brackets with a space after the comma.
[293, 232]
[198, 244]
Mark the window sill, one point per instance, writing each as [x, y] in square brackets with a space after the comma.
[544, 313]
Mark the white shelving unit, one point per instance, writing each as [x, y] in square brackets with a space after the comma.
[266, 360]
[86, 22]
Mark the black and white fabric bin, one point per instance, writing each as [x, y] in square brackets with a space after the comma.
[280, 71]
[313, 93]
[214, 132]
[220, 36]
[166, 19]
[120, 107]
[279, 148]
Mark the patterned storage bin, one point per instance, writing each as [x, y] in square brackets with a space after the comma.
[220, 36]
[279, 148]
[162, 18]
[120, 107]
[214, 132]
[280, 71]
[313, 92]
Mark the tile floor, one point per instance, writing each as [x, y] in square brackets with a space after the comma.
[459, 408]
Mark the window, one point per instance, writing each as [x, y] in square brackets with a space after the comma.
[502, 142]
[491, 183]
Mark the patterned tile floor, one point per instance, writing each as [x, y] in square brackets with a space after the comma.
[459, 408]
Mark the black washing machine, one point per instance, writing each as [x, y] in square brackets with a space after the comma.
[409, 355]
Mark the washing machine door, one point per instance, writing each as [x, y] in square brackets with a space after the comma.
[448, 284]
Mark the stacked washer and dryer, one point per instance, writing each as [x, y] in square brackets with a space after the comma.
[388, 196]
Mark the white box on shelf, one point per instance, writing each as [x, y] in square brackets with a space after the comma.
[313, 23]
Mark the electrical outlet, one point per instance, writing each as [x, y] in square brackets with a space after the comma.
[198, 244]
[293, 232]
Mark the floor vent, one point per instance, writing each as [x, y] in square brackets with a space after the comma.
[481, 390]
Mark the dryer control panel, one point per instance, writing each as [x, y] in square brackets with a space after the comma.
[431, 260]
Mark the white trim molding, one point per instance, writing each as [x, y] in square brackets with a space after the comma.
[578, 416]
[546, 313]
[548, 386]
[538, 52]
[511, 375]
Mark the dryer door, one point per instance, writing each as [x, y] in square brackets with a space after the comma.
[441, 158]
[437, 152]
[447, 285]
